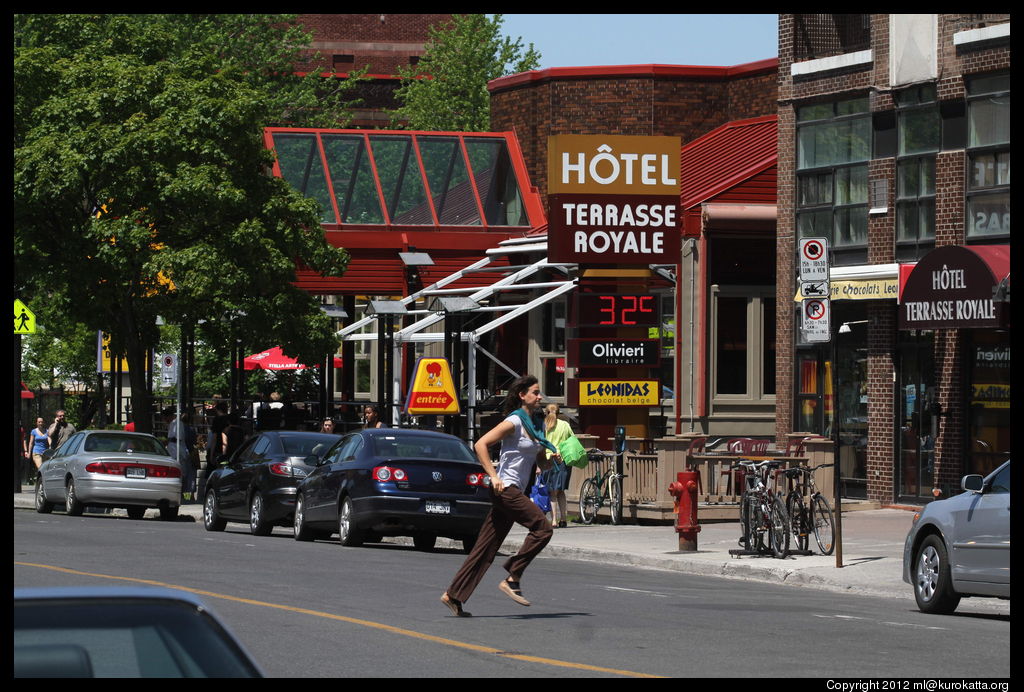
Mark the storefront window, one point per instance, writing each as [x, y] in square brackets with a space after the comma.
[988, 400]
[744, 357]
[916, 397]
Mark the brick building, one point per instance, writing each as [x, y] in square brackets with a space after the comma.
[894, 145]
[380, 43]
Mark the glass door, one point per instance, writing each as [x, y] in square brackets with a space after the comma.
[917, 424]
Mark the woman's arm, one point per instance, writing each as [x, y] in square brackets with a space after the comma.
[495, 435]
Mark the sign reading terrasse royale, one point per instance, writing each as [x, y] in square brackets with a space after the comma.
[951, 287]
[613, 199]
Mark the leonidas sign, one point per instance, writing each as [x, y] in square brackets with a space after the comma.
[613, 199]
[951, 287]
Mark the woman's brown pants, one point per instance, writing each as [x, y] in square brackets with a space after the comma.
[509, 507]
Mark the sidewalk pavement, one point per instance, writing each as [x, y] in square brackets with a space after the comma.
[872, 549]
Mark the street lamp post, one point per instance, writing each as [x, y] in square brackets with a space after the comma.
[453, 308]
[385, 312]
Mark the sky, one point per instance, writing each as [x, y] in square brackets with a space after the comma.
[575, 40]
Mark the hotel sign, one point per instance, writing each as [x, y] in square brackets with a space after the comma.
[952, 287]
[613, 199]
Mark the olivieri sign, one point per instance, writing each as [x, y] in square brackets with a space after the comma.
[613, 199]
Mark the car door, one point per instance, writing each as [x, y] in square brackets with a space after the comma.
[981, 542]
[55, 469]
[234, 482]
[324, 484]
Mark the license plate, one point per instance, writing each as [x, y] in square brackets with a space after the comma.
[135, 472]
[438, 507]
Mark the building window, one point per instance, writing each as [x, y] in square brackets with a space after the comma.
[988, 157]
[833, 149]
[821, 35]
[552, 347]
[744, 344]
[920, 137]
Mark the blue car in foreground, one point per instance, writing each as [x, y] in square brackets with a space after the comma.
[394, 482]
[960, 546]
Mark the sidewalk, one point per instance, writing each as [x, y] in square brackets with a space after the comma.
[872, 553]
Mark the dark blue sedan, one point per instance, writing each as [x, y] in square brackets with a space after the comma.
[394, 482]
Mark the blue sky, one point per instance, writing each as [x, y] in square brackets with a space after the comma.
[574, 40]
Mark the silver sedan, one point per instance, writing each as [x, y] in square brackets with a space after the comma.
[960, 546]
[110, 468]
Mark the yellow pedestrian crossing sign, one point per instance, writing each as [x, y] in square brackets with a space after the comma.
[24, 319]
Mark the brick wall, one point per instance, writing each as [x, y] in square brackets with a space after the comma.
[873, 79]
[385, 42]
[645, 104]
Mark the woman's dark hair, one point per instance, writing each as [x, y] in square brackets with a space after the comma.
[512, 400]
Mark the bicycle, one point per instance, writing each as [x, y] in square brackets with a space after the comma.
[817, 517]
[764, 524]
[601, 489]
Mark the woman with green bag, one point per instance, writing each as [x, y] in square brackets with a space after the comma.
[556, 478]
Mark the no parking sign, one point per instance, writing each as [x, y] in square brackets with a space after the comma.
[168, 369]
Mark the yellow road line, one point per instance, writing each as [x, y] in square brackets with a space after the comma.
[355, 621]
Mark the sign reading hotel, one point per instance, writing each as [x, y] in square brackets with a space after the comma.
[608, 392]
[613, 199]
[432, 391]
[952, 287]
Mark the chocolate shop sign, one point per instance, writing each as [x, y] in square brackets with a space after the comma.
[951, 287]
[613, 199]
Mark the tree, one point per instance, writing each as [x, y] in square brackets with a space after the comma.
[142, 185]
[447, 89]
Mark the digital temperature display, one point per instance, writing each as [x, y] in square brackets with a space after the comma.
[617, 310]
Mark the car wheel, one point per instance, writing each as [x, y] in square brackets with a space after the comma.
[136, 512]
[348, 532]
[211, 520]
[258, 524]
[424, 541]
[169, 513]
[42, 506]
[300, 530]
[72, 504]
[933, 588]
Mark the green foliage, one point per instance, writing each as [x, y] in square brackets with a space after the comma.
[141, 181]
[447, 89]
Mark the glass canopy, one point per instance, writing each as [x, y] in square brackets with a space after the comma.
[378, 177]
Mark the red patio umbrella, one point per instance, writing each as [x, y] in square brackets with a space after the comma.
[275, 359]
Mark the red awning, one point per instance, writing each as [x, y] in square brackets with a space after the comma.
[954, 286]
[275, 359]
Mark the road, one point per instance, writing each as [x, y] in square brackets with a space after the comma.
[321, 610]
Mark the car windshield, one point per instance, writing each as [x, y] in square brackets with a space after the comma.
[421, 447]
[114, 442]
[303, 445]
[122, 638]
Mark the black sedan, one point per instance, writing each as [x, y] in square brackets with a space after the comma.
[394, 482]
[257, 484]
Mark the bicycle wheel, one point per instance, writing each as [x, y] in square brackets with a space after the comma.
[590, 501]
[615, 499]
[824, 524]
[797, 520]
[744, 521]
[755, 523]
[778, 528]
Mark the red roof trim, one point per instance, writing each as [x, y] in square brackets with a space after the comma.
[727, 155]
[653, 70]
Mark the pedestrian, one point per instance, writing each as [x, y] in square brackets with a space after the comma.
[557, 477]
[215, 441]
[327, 426]
[371, 418]
[231, 439]
[183, 453]
[40, 443]
[61, 430]
[522, 447]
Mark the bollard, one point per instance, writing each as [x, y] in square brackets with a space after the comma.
[685, 492]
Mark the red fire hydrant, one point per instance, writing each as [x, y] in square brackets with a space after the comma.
[685, 492]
